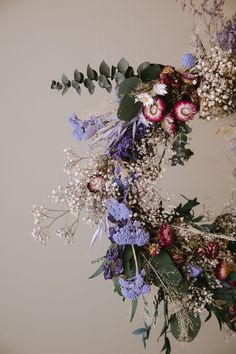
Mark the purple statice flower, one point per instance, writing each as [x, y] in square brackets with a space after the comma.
[227, 37]
[123, 148]
[118, 266]
[118, 211]
[113, 265]
[130, 234]
[85, 129]
[188, 60]
[132, 288]
[194, 270]
[107, 272]
[112, 253]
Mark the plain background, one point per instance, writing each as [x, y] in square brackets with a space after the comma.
[47, 303]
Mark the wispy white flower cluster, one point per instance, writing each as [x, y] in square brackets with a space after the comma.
[218, 83]
[147, 97]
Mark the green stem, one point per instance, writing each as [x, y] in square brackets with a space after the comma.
[135, 259]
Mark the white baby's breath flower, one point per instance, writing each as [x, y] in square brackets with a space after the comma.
[145, 98]
[159, 89]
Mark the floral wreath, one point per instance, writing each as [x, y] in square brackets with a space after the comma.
[188, 259]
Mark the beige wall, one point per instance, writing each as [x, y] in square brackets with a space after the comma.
[47, 303]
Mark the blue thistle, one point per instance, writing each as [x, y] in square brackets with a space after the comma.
[188, 60]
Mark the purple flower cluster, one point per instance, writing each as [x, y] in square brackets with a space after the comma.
[117, 211]
[130, 234]
[85, 129]
[113, 264]
[132, 288]
[123, 148]
[227, 37]
[194, 270]
[188, 60]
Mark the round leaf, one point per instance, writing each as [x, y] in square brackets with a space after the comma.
[128, 85]
[128, 109]
[192, 330]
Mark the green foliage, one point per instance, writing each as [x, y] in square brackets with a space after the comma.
[144, 332]
[228, 295]
[128, 85]
[181, 153]
[128, 262]
[91, 74]
[89, 85]
[104, 69]
[142, 67]
[185, 211]
[133, 309]
[117, 285]
[124, 76]
[98, 271]
[166, 347]
[128, 108]
[167, 271]
[232, 276]
[192, 330]
[122, 66]
[151, 72]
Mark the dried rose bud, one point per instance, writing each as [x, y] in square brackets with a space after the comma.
[165, 236]
[154, 249]
[96, 183]
[212, 250]
[178, 259]
[222, 270]
[201, 252]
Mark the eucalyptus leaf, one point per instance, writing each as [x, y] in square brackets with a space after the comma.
[133, 309]
[113, 72]
[194, 325]
[92, 74]
[129, 72]
[76, 86]
[139, 331]
[152, 72]
[166, 269]
[64, 79]
[103, 82]
[119, 78]
[123, 66]
[64, 90]
[104, 69]
[128, 108]
[78, 76]
[89, 85]
[117, 285]
[128, 85]
[98, 271]
[143, 66]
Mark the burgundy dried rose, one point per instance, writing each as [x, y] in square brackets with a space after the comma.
[178, 259]
[222, 270]
[212, 250]
[96, 183]
[171, 77]
[165, 236]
